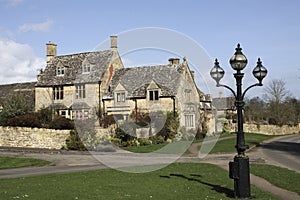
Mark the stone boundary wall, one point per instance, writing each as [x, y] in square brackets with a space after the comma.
[33, 137]
[271, 129]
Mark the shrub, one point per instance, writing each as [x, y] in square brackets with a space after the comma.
[61, 123]
[157, 139]
[25, 121]
[144, 141]
[73, 142]
[226, 127]
[45, 115]
[107, 120]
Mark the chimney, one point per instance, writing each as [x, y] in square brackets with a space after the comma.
[50, 51]
[174, 61]
[113, 42]
[220, 94]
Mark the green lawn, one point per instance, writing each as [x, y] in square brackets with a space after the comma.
[168, 148]
[281, 177]
[13, 162]
[222, 146]
[228, 145]
[177, 181]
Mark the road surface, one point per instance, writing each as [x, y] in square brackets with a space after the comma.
[282, 151]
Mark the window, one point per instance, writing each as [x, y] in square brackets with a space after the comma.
[189, 121]
[86, 68]
[63, 113]
[58, 92]
[60, 70]
[153, 95]
[80, 91]
[121, 97]
[81, 114]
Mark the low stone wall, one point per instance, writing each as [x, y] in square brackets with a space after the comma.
[33, 137]
[271, 129]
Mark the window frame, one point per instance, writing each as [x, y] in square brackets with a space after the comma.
[86, 68]
[80, 91]
[58, 92]
[189, 120]
[121, 97]
[153, 95]
[60, 70]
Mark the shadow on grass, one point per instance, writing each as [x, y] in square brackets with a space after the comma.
[228, 192]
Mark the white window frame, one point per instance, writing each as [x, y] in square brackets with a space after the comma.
[120, 97]
[86, 68]
[60, 70]
[80, 92]
[189, 120]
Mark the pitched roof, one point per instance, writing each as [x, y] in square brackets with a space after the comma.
[223, 103]
[73, 63]
[136, 80]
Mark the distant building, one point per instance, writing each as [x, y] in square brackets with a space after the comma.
[25, 90]
[224, 107]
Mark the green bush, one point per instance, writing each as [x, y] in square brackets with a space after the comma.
[45, 115]
[31, 120]
[226, 127]
[144, 141]
[157, 139]
[61, 123]
[73, 142]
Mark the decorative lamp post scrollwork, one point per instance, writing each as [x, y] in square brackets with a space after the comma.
[239, 168]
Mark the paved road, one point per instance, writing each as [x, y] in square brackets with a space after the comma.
[282, 151]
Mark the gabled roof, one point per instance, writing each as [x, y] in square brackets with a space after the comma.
[99, 61]
[136, 80]
[223, 103]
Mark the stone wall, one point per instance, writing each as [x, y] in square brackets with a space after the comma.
[271, 129]
[33, 137]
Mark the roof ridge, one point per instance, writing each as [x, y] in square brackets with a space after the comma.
[82, 53]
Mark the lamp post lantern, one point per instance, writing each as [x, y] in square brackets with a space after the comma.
[239, 168]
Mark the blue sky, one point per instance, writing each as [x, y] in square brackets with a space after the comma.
[268, 29]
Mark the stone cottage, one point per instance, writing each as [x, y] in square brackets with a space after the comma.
[77, 86]
[73, 85]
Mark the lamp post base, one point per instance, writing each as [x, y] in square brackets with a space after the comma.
[239, 171]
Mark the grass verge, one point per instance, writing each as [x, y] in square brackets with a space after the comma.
[13, 162]
[228, 145]
[278, 176]
[177, 181]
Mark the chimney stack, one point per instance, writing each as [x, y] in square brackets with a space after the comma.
[174, 61]
[113, 42]
[50, 51]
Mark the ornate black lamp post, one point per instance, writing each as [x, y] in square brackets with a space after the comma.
[239, 168]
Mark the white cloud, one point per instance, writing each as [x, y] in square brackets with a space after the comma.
[18, 62]
[37, 27]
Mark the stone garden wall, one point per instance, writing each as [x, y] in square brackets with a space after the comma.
[271, 129]
[33, 137]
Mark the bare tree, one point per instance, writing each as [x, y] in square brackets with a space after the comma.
[276, 92]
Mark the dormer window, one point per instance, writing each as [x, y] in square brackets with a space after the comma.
[60, 70]
[121, 97]
[86, 68]
[153, 95]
